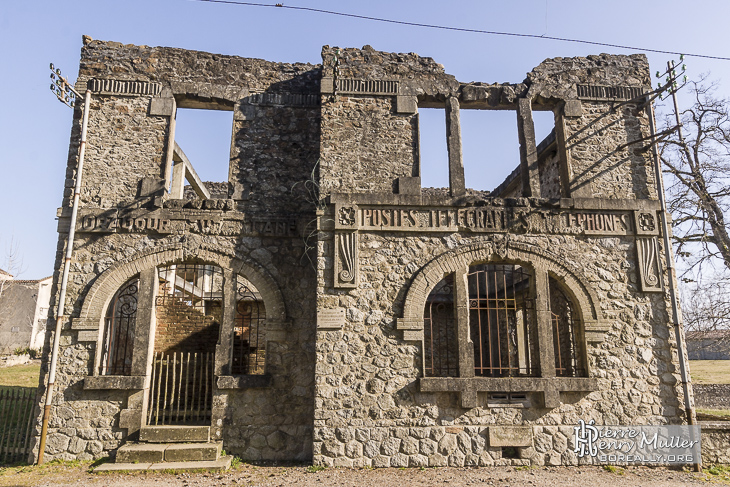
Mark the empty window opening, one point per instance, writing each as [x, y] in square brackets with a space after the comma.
[119, 323]
[566, 340]
[501, 321]
[544, 122]
[490, 147]
[432, 148]
[441, 352]
[203, 140]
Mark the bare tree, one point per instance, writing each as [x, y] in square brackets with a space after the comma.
[697, 162]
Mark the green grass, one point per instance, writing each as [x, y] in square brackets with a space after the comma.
[20, 375]
[613, 469]
[315, 468]
[710, 371]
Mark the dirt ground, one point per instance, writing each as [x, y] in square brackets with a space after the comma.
[248, 475]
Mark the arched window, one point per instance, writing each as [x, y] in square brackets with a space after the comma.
[502, 321]
[566, 334]
[249, 341]
[119, 324]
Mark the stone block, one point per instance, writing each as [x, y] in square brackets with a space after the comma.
[114, 382]
[141, 453]
[409, 185]
[175, 434]
[510, 436]
[573, 108]
[151, 187]
[406, 104]
[189, 452]
[163, 107]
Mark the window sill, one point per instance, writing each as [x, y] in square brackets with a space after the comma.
[114, 382]
[243, 381]
[469, 387]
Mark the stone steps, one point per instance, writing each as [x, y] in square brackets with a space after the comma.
[170, 447]
[223, 463]
[168, 452]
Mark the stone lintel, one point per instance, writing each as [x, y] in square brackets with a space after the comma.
[510, 436]
[114, 382]
[243, 381]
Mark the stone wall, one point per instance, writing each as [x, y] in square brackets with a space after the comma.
[325, 217]
[712, 396]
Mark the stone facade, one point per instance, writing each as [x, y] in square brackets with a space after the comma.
[326, 223]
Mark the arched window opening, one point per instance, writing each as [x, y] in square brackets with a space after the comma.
[249, 340]
[440, 346]
[568, 352]
[119, 323]
[502, 321]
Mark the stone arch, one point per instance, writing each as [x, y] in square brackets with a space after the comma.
[101, 292]
[497, 250]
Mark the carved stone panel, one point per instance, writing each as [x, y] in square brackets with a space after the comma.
[649, 268]
[346, 254]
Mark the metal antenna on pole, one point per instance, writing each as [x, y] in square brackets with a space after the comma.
[63, 90]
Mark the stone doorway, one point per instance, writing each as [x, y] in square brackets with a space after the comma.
[188, 309]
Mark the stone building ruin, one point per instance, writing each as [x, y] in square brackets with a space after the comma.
[322, 306]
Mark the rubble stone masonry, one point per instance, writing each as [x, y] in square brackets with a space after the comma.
[324, 214]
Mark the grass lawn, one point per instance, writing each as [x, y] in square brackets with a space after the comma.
[20, 375]
[710, 371]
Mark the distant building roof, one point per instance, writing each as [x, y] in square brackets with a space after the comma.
[5, 273]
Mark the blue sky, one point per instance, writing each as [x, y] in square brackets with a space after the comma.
[35, 127]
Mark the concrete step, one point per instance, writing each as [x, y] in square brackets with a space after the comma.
[222, 463]
[168, 452]
[175, 434]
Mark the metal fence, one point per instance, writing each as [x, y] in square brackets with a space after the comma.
[17, 413]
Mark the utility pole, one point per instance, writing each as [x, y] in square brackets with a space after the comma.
[67, 95]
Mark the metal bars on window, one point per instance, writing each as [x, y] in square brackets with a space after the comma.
[568, 354]
[249, 342]
[181, 389]
[501, 319]
[116, 358]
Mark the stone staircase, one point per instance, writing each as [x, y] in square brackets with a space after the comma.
[170, 448]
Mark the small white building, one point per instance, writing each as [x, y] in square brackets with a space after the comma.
[23, 312]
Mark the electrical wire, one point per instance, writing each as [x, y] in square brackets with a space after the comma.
[461, 29]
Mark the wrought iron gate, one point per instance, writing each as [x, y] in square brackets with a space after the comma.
[181, 389]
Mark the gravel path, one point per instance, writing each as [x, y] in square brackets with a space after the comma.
[247, 475]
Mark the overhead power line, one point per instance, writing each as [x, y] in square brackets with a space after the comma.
[460, 29]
